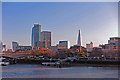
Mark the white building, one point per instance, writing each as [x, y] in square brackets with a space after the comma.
[89, 47]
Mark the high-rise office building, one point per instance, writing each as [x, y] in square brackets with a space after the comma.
[79, 39]
[36, 33]
[14, 46]
[64, 43]
[46, 36]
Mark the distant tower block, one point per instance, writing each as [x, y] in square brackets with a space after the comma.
[79, 39]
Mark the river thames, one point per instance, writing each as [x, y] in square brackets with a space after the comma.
[39, 71]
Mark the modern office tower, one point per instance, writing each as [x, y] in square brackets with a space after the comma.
[64, 43]
[36, 34]
[14, 46]
[1, 45]
[79, 39]
[46, 36]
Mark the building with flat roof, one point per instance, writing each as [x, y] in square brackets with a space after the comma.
[46, 36]
[64, 43]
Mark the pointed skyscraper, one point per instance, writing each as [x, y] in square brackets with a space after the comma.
[79, 39]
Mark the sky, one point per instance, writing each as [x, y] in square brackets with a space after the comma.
[60, 0]
[98, 21]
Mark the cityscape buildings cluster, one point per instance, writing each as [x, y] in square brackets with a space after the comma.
[42, 39]
[113, 43]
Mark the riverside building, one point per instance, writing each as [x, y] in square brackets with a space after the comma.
[36, 30]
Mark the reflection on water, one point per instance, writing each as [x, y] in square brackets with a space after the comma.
[38, 71]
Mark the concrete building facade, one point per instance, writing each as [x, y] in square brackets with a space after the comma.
[46, 36]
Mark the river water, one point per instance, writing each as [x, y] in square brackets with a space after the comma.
[39, 71]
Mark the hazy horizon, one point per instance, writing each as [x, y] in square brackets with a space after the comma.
[97, 21]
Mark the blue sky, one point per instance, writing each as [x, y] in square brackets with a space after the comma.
[97, 20]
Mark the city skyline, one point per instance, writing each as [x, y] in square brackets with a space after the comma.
[105, 26]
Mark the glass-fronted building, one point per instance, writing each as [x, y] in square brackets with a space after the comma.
[36, 34]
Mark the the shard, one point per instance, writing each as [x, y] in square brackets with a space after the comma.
[79, 39]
